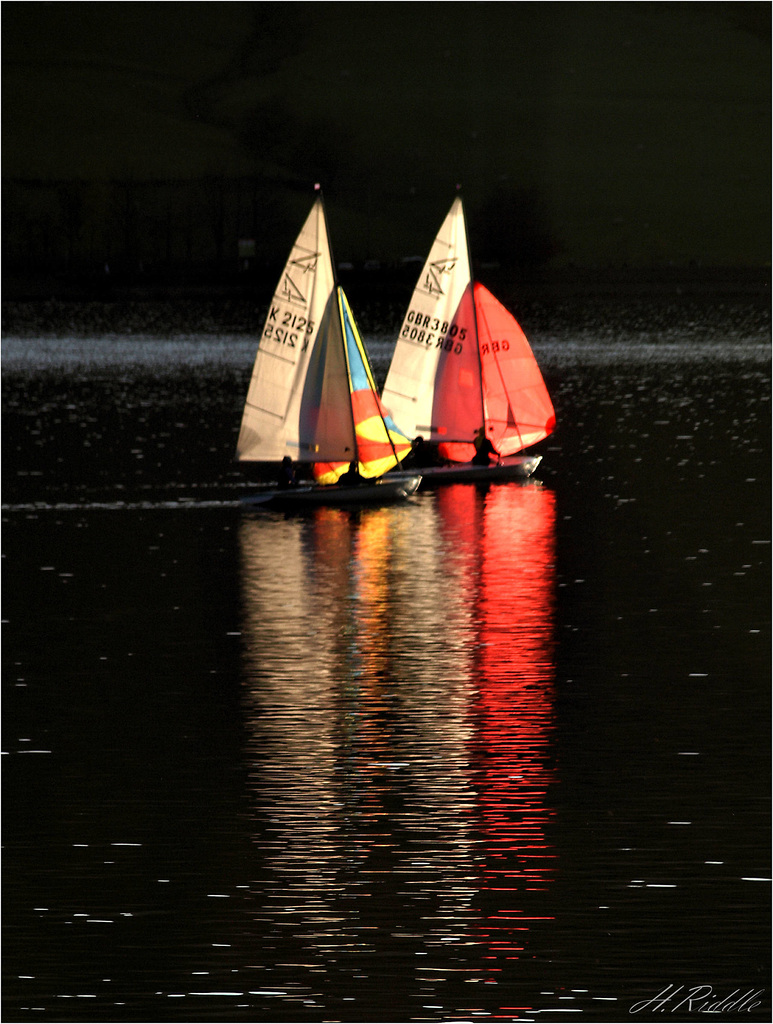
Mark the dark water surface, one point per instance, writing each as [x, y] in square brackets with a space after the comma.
[499, 753]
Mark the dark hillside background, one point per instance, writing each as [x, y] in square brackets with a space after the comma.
[174, 144]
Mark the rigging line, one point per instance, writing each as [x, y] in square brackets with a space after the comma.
[505, 390]
[369, 373]
[388, 431]
[360, 344]
[340, 305]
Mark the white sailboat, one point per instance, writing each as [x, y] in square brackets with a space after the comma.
[312, 399]
[463, 377]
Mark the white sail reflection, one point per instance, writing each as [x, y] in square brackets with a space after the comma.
[290, 631]
[398, 694]
[433, 639]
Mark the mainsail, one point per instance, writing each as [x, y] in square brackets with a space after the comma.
[461, 360]
[311, 395]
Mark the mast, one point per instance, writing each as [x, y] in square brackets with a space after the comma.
[342, 328]
[321, 198]
[474, 313]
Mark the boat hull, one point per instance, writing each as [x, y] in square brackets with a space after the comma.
[513, 467]
[385, 490]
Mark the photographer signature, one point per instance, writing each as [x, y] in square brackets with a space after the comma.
[700, 999]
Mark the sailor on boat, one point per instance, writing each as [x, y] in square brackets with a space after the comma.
[287, 476]
[423, 454]
[351, 478]
[484, 449]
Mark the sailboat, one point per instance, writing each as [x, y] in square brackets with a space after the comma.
[463, 373]
[312, 401]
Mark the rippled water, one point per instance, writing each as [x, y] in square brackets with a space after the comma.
[497, 753]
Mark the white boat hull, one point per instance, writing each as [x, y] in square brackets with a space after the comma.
[513, 467]
[385, 490]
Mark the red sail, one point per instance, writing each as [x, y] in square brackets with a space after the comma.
[518, 409]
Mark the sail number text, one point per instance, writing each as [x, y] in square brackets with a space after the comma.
[494, 346]
[288, 328]
[430, 331]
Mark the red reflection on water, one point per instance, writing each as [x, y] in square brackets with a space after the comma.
[507, 538]
[399, 698]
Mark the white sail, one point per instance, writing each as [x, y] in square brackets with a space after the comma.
[438, 327]
[278, 419]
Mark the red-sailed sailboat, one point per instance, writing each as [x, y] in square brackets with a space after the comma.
[463, 377]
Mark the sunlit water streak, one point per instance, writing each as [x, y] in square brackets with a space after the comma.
[202, 352]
